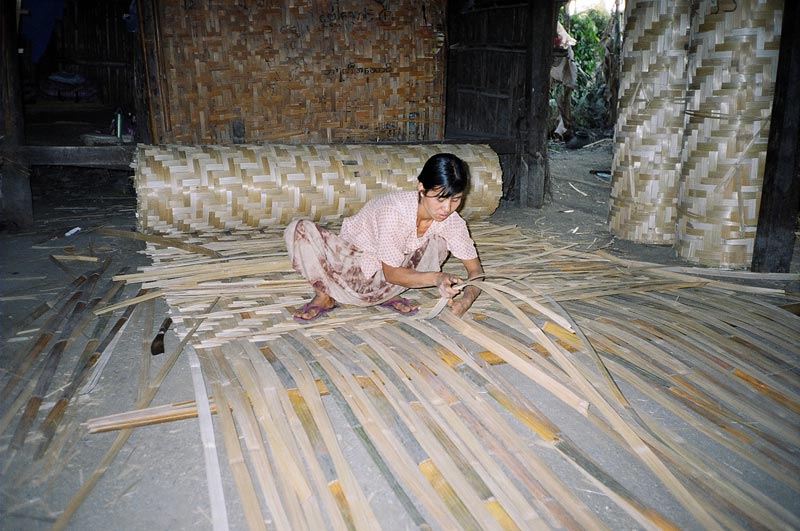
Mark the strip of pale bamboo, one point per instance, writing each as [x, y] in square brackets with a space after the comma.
[216, 492]
[397, 457]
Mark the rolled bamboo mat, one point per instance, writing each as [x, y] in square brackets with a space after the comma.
[677, 376]
[648, 135]
[731, 74]
[186, 189]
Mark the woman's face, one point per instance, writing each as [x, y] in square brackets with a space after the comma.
[438, 208]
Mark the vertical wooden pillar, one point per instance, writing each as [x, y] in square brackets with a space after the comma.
[16, 208]
[780, 198]
[534, 169]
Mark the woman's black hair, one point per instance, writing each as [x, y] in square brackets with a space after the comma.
[445, 172]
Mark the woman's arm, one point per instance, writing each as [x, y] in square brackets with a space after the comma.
[470, 293]
[410, 278]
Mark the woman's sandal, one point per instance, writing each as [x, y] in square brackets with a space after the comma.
[308, 307]
[396, 303]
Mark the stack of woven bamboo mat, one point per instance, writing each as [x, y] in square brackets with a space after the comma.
[581, 389]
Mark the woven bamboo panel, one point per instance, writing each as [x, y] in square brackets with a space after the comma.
[301, 71]
[186, 189]
[649, 131]
[732, 67]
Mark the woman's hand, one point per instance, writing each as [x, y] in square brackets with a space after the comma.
[445, 284]
[460, 305]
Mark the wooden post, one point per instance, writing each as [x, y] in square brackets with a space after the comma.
[16, 208]
[534, 170]
[780, 198]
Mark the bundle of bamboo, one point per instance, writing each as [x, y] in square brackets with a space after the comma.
[186, 189]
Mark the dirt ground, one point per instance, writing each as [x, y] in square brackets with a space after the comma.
[577, 205]
[154, 482]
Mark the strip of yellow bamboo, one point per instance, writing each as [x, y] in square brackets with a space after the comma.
[290, 448]
[236, 460]
[284, 511]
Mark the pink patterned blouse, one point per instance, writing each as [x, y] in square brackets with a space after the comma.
[386, 230]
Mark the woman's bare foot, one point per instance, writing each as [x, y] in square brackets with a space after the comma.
[401, 305]
[316, 307]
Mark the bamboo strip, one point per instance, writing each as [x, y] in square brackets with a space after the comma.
[744, 450]
[145, 296]
[468, 505]
[146, 417]
[99, 358]
[716, 481]
[236, 460]
[273, 400]
[448, 432]
[73, 327]
[639, 337]
[27, 357]
[147, 324]
[169, 242]
[350, 498]
[289, 465]
[216, 493]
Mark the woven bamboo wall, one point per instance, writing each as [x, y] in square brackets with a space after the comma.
[731, 75]
[186, 189]
[302, 70]
[649, 130]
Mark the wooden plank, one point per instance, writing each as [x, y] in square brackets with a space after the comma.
[780, 197]
[110, 157]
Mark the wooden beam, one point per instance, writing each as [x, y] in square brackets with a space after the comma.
[534, 168]
[780, 198]
[16, 207]
[111, 157]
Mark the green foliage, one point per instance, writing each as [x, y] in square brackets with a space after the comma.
[588, 101]
[588, 28]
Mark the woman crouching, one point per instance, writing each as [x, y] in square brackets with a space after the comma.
[397, 241]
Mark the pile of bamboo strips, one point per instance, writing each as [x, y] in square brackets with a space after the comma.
[186, 189]
[467, 420]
